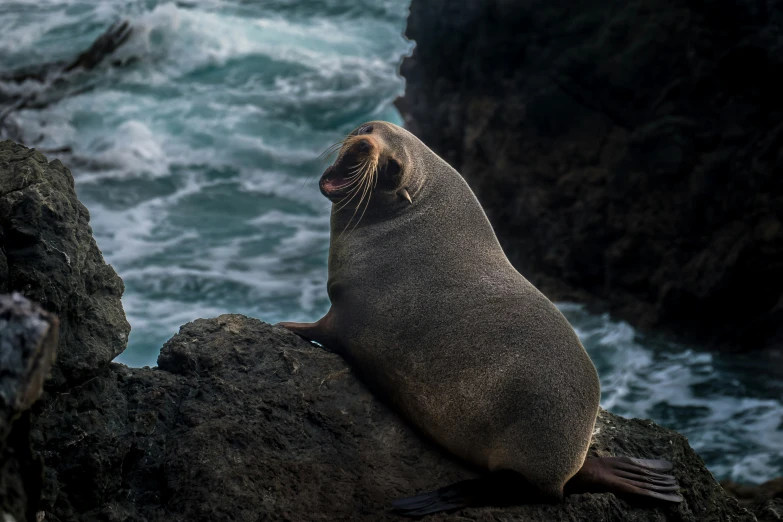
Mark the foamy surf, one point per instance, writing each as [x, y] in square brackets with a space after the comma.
[735, 428]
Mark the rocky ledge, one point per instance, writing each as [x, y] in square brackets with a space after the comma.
[240, 421]
[627, 153]
[245, 421]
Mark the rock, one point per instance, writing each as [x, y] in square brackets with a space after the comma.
[769, 510]
[764, 500]
[28, 346]
[48, 254]
[627, 154]
[245, 421]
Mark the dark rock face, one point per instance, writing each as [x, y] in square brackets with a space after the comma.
[628, 153]
[765, 500]
[245, 421]
[48, 254]
[28, 347]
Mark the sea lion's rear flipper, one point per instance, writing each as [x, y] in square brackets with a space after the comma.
[644, 477]
[496, 489]
[462, 494]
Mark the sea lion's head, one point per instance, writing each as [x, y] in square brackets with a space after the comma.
[377, 167]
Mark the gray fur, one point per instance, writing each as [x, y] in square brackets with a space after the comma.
[428, 309]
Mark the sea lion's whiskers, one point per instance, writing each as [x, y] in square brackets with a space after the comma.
[370, 185]
[345, 200]
[355, 177]
[337, 146]
[329, 152]
[355, 210]
[357, 170]
[363, 179]
[352, 194]
[351, 179]
[358, 183]
[325, 155]
[369, 196]
[366, 183]
[334, 147]
[347, 184]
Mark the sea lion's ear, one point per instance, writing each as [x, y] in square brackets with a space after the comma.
[403, 193]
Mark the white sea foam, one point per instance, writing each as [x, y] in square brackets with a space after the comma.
[135, 148]
[687, 389]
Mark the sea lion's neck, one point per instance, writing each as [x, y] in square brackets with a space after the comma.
[443, 237]
[444, 201]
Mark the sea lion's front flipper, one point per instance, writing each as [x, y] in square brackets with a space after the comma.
[643, 477]
[321, 331]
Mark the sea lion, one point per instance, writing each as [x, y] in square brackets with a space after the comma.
[428, 310]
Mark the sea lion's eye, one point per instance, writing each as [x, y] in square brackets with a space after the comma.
[367, 129]
[392, 167]
[390, 175]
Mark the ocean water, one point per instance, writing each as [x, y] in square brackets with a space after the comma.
[199, 163]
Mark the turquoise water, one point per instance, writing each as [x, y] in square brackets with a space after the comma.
[199, 165]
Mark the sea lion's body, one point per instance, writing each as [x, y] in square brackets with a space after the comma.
[428, 308]
[433, 316]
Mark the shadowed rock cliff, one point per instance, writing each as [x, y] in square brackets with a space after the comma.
[626, 153]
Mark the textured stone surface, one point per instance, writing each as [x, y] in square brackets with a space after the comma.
[629, 153]
[28, 346]
[48, 254]
[764, 500]
[245, 421]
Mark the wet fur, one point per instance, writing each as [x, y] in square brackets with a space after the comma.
[428, 309]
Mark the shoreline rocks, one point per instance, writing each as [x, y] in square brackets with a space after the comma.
[245, 421]
[764, 500]
[48, 253]
[28, 348]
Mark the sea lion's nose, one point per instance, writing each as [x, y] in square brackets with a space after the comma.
[363, 146]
